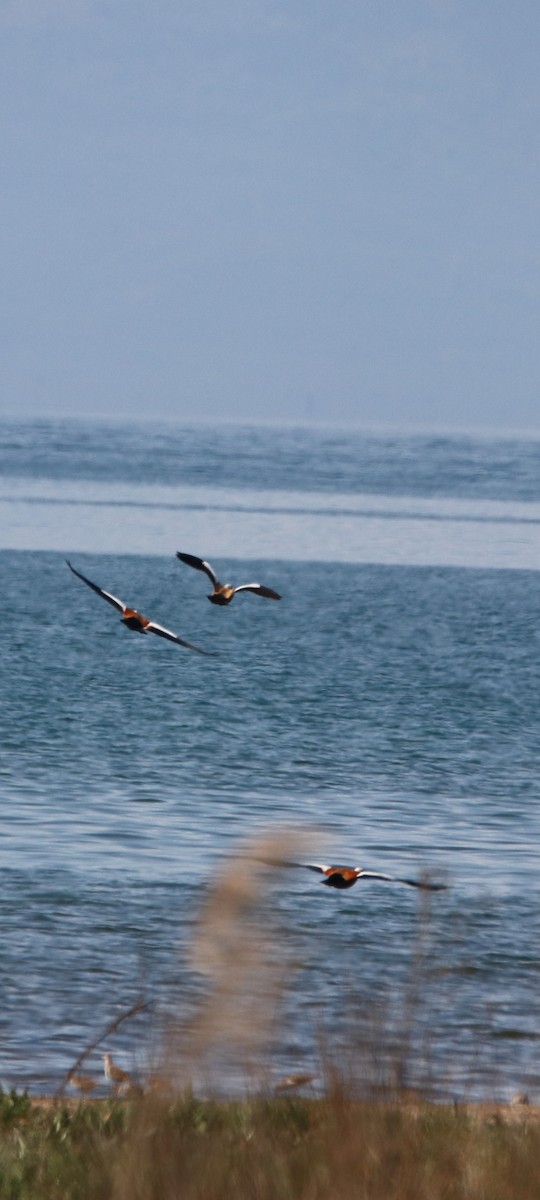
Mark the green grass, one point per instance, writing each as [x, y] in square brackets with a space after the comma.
[264, 1149]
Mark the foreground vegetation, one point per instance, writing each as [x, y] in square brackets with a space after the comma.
[265, 1149]
[276, 1145]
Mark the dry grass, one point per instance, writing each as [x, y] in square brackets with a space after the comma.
[301, 1149]
[245, 960]
[294, 1149]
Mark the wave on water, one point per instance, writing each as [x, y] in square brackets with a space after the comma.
[118, 518]
[296, 459]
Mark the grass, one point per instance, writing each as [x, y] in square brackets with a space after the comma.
[265, 1149]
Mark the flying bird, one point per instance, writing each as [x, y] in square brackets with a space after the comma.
[345, 877]
[224, 592]
[135, 620]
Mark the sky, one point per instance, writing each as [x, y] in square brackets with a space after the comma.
[297, 210]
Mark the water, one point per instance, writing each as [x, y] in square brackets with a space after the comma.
[391, 701]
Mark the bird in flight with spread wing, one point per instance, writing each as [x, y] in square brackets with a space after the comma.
[133, 619]
[224, 592]
[345, 877]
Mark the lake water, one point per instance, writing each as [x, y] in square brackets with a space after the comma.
[390, 702]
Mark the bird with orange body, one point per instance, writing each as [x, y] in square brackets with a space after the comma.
[223, 593]
[133, 619]
[345, 877]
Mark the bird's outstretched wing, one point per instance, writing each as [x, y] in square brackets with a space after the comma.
[417, 883]
[424, 884]
[260, 589]
[362, 874]
[199, 564]
[160, 630]
[119, 604]
[286, 862]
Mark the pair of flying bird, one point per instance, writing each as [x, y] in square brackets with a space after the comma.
[222, 594]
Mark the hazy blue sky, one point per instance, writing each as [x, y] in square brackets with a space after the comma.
[302, 209]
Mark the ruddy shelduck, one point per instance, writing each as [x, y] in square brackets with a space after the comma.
[224, 592]
[133, 619]
[345, 877]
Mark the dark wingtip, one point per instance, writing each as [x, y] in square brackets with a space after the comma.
[268, 593]
[425, 885]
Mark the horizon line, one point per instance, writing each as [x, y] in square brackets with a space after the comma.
[374, 428]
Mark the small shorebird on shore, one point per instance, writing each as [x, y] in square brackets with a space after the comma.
[345, 877]
[291, 1082]
[119, 1080]
[133, 619]
[82, 1083]
[224, 592]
